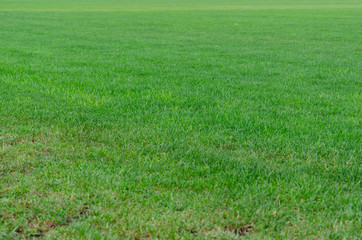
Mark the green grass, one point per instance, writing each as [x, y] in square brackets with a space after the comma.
[174, 119]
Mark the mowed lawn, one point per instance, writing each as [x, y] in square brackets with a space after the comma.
[180, 119]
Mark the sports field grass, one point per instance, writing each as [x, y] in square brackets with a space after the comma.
[180, 119]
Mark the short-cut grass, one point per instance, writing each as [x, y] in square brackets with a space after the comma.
[180, 119]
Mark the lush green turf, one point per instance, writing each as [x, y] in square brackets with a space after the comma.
[170, 119]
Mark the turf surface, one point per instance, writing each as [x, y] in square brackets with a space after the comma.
[174, 119]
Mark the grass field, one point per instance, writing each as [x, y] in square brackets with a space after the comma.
[180, 119]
